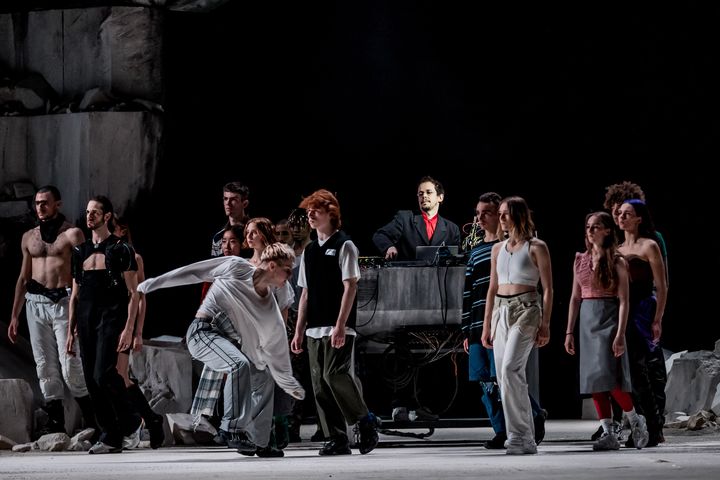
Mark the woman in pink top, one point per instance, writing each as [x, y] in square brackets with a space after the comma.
[600, 296]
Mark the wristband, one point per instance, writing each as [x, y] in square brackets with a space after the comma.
[569, 333]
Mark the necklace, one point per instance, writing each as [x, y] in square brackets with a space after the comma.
[97, 244]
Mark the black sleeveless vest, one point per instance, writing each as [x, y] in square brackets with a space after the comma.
[324, 281]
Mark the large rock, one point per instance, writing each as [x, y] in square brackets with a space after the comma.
[178, 5]
[83, 154]
[188, 430]
[165, 376]
[118, 49]
[16, 405]
[693, 382]
[18, 363]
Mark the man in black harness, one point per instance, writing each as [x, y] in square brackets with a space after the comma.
[103, 307]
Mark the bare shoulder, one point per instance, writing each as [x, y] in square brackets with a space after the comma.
[650, 248]
[73, 234]
[538, 245]
[29, 235]
[621, 262]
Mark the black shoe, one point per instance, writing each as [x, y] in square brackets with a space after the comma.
[240, 442]
[497, 442]
[653, 441]
[655, 438]
[294, 430]
[156, 431]
[51, 427]
[221, 438]
[539, 422]
[598, 433]
[56, 418]
[282, 431]
[269, 452]
[366, 432]
[336, 446]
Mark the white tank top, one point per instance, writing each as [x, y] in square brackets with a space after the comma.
[517, 268]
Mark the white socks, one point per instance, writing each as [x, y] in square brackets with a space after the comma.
[606, 424]
[632, 416]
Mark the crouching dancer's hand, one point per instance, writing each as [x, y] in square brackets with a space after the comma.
[298, 393]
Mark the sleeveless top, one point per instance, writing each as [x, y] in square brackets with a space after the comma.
[584, 277]
[641, 278]
[517, 267]
[324, 282]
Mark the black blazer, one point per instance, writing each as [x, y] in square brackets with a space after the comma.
[407, 230]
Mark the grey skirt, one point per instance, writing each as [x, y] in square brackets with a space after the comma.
[600, 370]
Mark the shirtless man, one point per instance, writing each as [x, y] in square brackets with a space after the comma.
[44, 282]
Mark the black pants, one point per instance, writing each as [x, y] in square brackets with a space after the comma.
[647, 370]
[338, 396]
[99, 327]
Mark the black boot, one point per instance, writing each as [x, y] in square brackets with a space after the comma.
[56, 418]
[294, 429]
[153, 421]
[88, 414]
[281, 429]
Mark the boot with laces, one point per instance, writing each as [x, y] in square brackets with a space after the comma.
[336, 446]
[607, 441]
[640, 434]
[366, 433]
[240, 441]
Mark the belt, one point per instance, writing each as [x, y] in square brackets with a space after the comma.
[54, 294]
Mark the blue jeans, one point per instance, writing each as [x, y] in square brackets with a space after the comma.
[481, 368]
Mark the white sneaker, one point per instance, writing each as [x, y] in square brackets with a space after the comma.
[133, 440]
[640, 434]
[608, 441]
[618, 429]
[520, 447]
[400, 414]
[101, 447]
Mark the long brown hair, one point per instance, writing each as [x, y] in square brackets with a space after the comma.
[605, 274]
[521, 217]
[264, 226]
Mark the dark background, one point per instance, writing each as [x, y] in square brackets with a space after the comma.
[549, 103]
[364, 98]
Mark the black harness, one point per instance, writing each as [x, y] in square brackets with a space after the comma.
[119, 258]
[54, 294]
